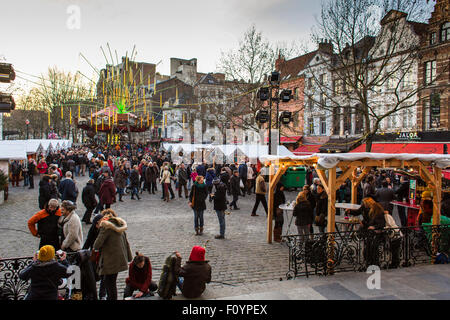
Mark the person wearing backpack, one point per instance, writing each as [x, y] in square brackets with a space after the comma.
[194, 274]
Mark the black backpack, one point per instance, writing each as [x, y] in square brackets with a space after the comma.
[168, 281]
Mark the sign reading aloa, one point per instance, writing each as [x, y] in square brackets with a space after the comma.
[408, 136]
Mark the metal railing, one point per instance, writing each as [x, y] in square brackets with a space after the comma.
[11, 286]
[327, 253]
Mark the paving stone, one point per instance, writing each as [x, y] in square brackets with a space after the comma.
[335, 291]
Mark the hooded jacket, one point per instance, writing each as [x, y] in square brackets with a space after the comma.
[112, 242]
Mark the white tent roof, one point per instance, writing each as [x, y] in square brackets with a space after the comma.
[31, 146]
[328, 161]
[13, 151]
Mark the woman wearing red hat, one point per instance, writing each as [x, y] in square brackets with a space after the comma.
[195, 273]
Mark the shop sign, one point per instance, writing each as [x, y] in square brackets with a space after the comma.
[408, 136]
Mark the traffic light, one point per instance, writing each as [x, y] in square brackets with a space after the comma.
[263, 94]
[7, 73]
[286, 95]
[6, 103]
[285, 117]
[262, 116]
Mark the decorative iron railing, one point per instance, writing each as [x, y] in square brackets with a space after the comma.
[327, 253]
[11, 286]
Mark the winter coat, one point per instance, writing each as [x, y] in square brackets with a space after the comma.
[73, 234]
[88, 196]
[134, 179]
[68, 190]
[235, 185]
[182, 176]
[44, 194]
[120, 179]
[150, 174]
[47, 227]
[201, 193]
[369, 191]
[243, 171]
[165, 177]
[45, 278]
[42, 167]
[112, 242]
[403, 192]
[261, 187]
[196, 274]
[220, 197]
[322, 206]
[210, 175]
[140, 278]
[54, 194]
[303, 213]
[201, 170]
[107, 192]
[278, 199]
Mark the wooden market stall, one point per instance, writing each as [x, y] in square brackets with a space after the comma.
[429, 166]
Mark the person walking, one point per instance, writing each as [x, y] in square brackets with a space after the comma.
[31, 170]
[197, 199]
[120, 180]
[89, 200]
[44, 191]
[235, 189]
[42, 167]
[182, 180]
[149, 174]
[261, 191]
[47, 224]
[71, 226]
[115, 252]
[165, 181]
[68, 188]
[220, 205]
[243, 172]
[250, 178]
[134, 183]
[107, 192]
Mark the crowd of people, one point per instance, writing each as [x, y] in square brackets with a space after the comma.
[123, 173]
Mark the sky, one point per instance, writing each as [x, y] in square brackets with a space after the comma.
[37, 34]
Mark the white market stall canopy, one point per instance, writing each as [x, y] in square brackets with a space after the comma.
[31, 146]
[12, 152]
[252, 151]
[328, 161]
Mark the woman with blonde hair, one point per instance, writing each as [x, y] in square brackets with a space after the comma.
[303, 213]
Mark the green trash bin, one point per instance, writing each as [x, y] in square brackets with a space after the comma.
[294, 177]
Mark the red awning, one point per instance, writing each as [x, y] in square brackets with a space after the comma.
[420, 148]
[293, 139]
[446, 174]
[306, 149]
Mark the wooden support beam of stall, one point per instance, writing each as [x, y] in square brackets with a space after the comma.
[343, 177]
[425, 174]
[273, 180]
[436, 211]
[331, 219]
[356, 181]
[323, 179]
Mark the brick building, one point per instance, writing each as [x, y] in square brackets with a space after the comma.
[434, 73]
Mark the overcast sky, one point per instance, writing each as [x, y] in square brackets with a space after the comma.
[35, 34]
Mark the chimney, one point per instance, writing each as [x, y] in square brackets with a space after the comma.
[280, 61]
[326, 46]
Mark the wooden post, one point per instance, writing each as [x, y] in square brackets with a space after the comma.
[354, 186]
[436, 211]
[273, 180]
[331, 218]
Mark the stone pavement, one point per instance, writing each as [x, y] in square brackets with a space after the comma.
[244, 265]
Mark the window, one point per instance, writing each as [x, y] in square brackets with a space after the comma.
[296, 93]
[336, 121]
[339, 86]
[323, 78]
[430, 72]
[359, 123]
[295, 117]
[347, 120]
[432, 38]
[432, 112]
[408, 79]
[311, 126]
[323, 126]
[445, 32]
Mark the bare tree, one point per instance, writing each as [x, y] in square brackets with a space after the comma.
[373, 64]
[247, 68]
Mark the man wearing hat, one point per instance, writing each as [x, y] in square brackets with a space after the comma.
[45, 274]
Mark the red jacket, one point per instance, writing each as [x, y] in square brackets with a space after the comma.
[140, 278]
[107, 192]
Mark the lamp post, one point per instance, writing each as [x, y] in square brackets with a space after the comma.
[27, 122]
